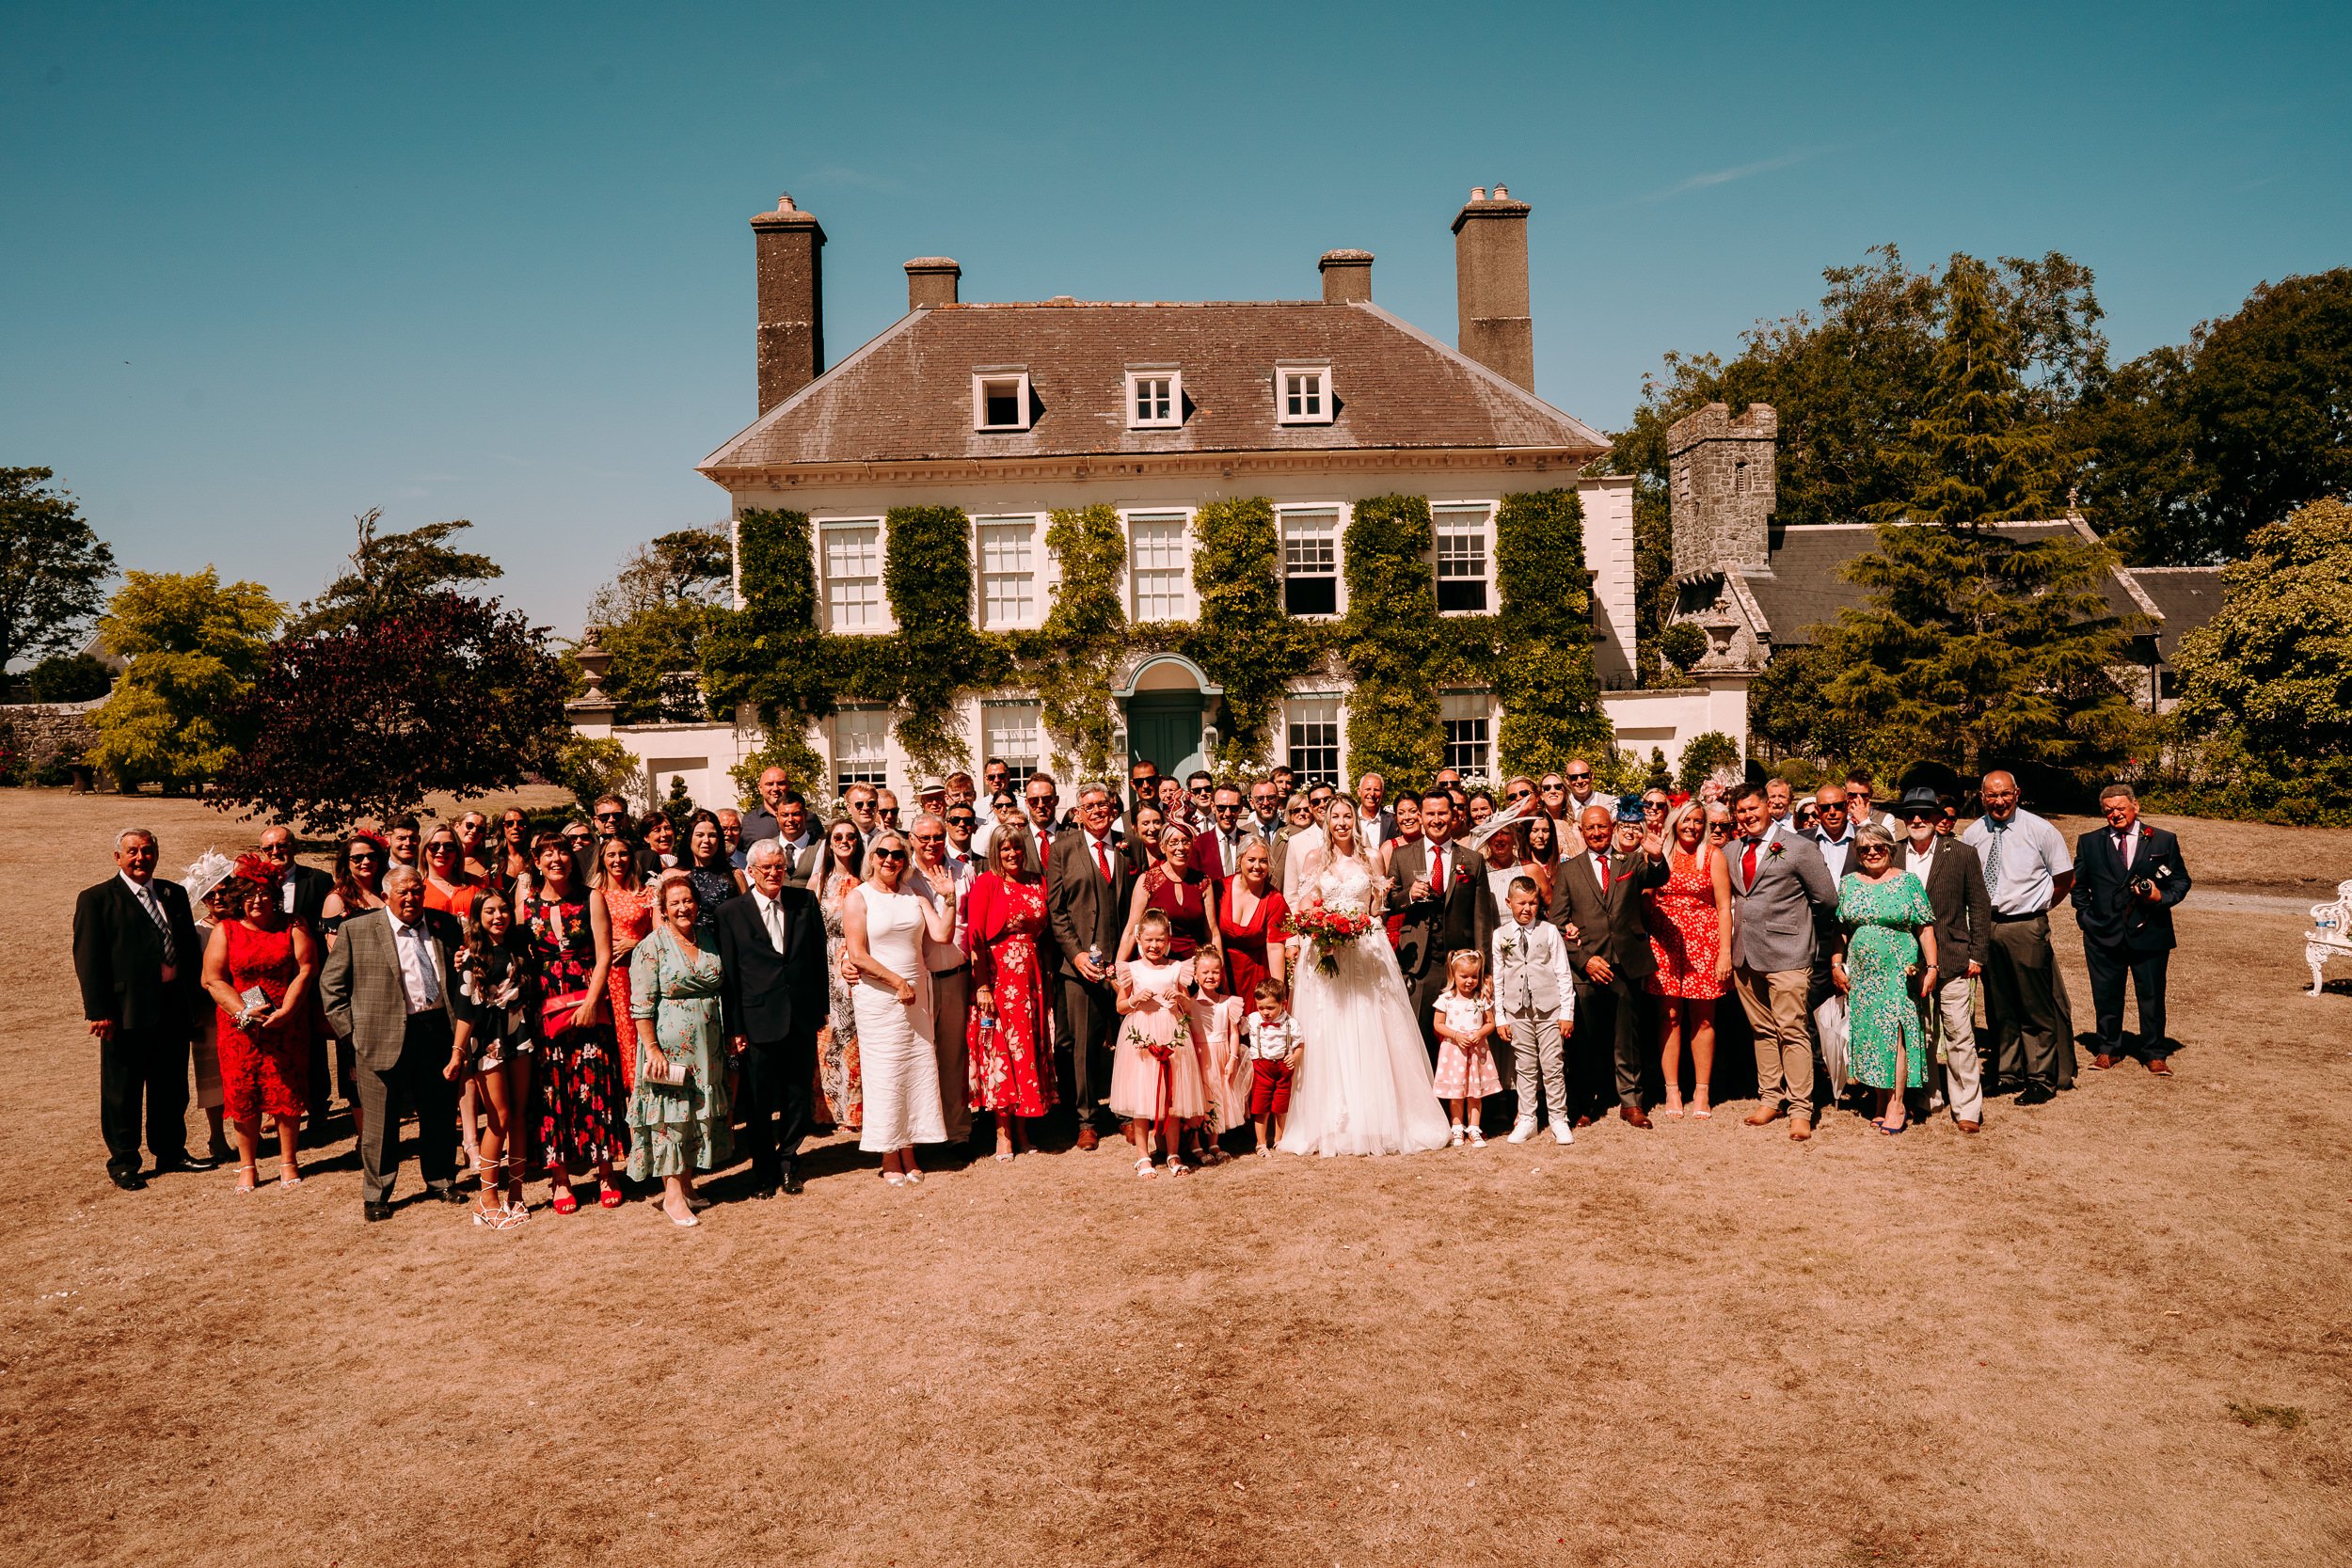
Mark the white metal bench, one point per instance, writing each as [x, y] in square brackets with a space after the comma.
[2330, 936]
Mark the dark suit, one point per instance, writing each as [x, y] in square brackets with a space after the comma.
[310, 888]
[1459, 915]
[1610, 1040]
[1086, 913]
[2126, 934]
[775, 1003]
[118, 959]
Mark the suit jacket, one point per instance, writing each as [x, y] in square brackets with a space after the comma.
[1083, 910]
[310, 886]
[1459, 915]
[1607, 924]
[765, 996]
[1963, 910]
[119, 958]
[361, 985]
[2104, 905]
[1772, 919]
[1208, 853]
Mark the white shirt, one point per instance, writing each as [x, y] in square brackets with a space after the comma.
[1371, 831]
[419, 966]
[770, 916]
[1836, 853]
[1597, 797]
[1541, 942]
[1917, 864]
[2022, 861]
[1100, 849]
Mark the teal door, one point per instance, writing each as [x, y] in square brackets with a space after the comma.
[1162, 728]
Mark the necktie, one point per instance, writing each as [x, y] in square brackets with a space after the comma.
[2123, 849]
[414, 935]
[790, 870]
[1993, 861]
[1747, 863]
[155, 908]
[1103, 859]
[771, 915]
[1604, 871]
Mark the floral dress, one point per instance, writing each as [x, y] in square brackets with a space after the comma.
[675, 1128]
[1684, 929]
[582, 1102]
[628, 915]
[837, 1070]
[1012, 1068]
[1884, 920]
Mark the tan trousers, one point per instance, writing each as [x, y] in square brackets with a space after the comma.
[951, 996]
[1949, 1014]
[1774, 1003]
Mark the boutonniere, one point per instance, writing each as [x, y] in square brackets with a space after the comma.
[1773, 851]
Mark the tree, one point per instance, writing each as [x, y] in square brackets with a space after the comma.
[444, 693]
[70, 678]
[2269, 678]
[1978, 454]
[194, 647]
[52, 567]
[769, 655]
[1705, 756]
[652, 617]
[390, 572]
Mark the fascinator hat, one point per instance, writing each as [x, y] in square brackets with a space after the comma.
[206, 872]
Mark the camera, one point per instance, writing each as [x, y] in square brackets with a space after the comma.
[2142, 887]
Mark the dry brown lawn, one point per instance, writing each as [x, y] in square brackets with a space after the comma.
[2109, 1330]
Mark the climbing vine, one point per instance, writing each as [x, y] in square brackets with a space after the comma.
[1544, 676]
[1392, 640]
[927, 576]
[1244, 639]
[1085, 634]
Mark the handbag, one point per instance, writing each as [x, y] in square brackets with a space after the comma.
[671, 1075]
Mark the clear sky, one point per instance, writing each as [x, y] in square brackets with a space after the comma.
[270, 265]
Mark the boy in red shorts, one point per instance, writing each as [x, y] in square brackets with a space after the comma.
[1272, 1041]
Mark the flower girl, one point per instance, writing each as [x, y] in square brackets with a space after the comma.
[1466, 1063]
[1155, 1077]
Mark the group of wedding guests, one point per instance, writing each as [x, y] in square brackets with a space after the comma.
[632, 995]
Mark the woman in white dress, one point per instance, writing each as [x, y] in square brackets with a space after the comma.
[1364, 1084]
[882, 928]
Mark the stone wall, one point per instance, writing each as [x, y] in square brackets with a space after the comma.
[42, 733]
[1721, 473]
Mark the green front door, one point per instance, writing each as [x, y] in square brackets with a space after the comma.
[1162, 728]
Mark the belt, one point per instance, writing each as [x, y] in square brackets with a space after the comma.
[956, 970]
[2000, 919]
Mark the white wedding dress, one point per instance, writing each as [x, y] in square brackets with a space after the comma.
[1364, 1084]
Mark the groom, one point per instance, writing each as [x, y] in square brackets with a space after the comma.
[1440, 890]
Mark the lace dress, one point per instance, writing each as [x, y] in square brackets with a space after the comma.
[837, 1069]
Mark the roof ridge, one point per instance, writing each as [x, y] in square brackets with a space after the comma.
[1485, 372]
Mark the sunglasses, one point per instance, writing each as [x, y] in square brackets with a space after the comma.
[440, 849]
[929, 838]
[890, 854]
[1201, 789]
[612, 817]
[1227, 808]
[962, 821]
[1517, 794]
[361, 856]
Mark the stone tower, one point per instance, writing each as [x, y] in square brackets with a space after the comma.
[1719, 474]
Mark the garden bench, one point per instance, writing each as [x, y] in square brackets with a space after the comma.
[2330, 936]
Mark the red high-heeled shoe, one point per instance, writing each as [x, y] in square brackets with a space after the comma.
[567, 1201]
[609, 1195]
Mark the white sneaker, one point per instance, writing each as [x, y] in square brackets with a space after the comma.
[1477, 1137]
[1521, 1130]
[1563, 1132]
[1454, 1136]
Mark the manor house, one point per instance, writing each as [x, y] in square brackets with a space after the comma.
[1012, 410]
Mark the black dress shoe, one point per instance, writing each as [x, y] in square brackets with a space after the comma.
[2036, 1094]
[187, 1161]
[129, 1180]
[446, 1194]
[792, 1179]
[376, 1210]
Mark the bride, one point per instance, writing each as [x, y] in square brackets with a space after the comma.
[1364, 1084]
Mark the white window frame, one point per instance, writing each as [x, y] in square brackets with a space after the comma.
[998, 375]
[1325, 398]
[1137, 418]
[1471, 705]
[1187, 603]
[879, 774]
[1457, 512]
[1024, 757]
[981, 614]
[1283, 515]
[1291, 703]
[826, 579]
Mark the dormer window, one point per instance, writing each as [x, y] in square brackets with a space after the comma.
[1302, 394]
[1000, 398]
[1155, 397]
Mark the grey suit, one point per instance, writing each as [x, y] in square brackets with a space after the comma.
[1772, 915]
[1087, 913]
[401, 1054]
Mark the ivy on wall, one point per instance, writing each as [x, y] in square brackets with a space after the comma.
[1544, 632]
[1395, 645]
[1073, 656]
[927, 576]
[1244, 639]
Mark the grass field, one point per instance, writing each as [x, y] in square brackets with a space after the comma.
[2110, 1330]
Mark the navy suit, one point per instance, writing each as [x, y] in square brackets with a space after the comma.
[2126, 934]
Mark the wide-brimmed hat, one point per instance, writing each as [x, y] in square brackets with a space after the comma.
[208, 872]
[1918, 798]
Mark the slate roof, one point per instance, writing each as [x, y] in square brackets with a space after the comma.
[1807, 586]
[907, 395]
[2187, 597]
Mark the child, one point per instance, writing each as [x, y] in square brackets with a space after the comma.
[1155, 1077]
[1216, 1032]
[1535, 1001]
[1466, 1063]
[491, 1049]
[1271, 1040]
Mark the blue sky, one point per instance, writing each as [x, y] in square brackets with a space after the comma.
[272, 265]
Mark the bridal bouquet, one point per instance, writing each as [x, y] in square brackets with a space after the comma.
[1330, 927]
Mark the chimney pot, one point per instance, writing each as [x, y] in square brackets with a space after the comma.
[1346, 275]
[1502, 192]
[787, 245]
[1490, 285]
[931, 282]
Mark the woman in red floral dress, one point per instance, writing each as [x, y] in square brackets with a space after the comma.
[1011, 1033]
[1690, 935]
[258, 971]
[582, 1108]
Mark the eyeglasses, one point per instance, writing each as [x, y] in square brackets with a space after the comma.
[440, 849]
[929, 838]
[1200, 790]
[1515, 795]
[965, 820]
[1227, 808]
[1576, 778]
[890, 854]
[612, 817]
[1300, 812]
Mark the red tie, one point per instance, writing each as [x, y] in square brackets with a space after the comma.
[1604, 871]
[1747, 864]
[1103, 859]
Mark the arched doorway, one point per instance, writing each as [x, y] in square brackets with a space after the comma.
[1168, 702]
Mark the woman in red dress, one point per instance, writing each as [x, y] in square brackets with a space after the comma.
[1175, 888]
[1690, 935]
[628, 915]
[1249, 917]
[258, 971]
[1011, 1034]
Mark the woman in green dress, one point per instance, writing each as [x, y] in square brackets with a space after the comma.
[1887, 958]
[677, 1113]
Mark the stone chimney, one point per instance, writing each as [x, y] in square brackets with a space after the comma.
[788, 243]
[931, 280]
[1719, 475]
[1346, 275]
[1490, 282]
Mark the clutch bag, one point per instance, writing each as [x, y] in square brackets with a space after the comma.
[672, 1075]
